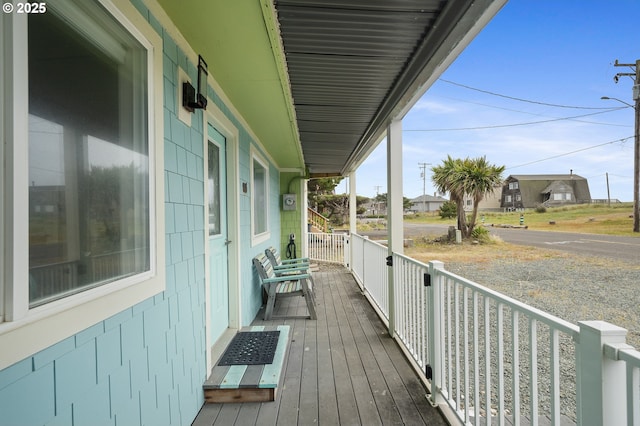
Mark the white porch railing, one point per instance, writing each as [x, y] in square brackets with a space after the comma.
[330, 248]
[494, 360]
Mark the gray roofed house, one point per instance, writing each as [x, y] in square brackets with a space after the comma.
[529, 191]
[427, 203]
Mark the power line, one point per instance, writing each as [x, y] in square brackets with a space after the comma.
[533, 113]
[497, 126]
[569, 153]
[518, 99]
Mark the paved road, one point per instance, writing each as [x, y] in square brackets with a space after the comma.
[619, 248]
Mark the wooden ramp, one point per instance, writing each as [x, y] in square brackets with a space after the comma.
[248, 383]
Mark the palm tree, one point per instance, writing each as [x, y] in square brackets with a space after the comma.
[473, 177]
[481, 179]
[448, 177]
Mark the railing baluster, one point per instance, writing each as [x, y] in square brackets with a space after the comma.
[476, 361]
[554, 359]
[515, 366]
[633, 395]
[500, 343]
[449, 359]
[465, 331]
[533, 371]
[487, 358]
[456, 295]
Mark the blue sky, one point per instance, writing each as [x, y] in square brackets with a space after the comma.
[558, 52]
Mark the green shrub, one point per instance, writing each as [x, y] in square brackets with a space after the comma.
[481, 234]
[540, 208]
[448, 210]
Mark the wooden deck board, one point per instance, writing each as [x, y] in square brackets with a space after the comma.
[327, 398]
[342, 368]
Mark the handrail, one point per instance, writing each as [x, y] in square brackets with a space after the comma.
[317, 220]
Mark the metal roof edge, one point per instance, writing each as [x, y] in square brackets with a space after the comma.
[270, 18]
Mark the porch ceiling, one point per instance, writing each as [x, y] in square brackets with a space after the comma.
[349, 66]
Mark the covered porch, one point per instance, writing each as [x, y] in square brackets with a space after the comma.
[385, 348]
[342, 368]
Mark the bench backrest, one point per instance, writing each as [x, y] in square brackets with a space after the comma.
[273, 256]
[263, 266]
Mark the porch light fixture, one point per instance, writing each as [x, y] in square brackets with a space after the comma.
[190, 99]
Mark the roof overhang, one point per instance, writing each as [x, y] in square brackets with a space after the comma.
[319, 81]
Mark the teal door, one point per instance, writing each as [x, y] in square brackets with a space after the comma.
[218, 242]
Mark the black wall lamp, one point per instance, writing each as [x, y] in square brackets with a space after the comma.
[190, 99]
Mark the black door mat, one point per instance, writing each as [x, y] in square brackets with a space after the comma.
[251, 348]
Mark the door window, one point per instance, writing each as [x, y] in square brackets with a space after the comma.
[214, 189]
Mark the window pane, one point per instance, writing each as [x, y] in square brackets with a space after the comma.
[259, 198]
[88, 154]
[214, 189]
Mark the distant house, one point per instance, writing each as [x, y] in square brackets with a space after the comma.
[529, 191]
[375, 208]
[490, 202]
[427, 203]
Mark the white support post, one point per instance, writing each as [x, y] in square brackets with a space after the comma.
[305, 219]
[434, 341]
[353, 208]
[352, 203]
[395, 212]
[394, 187]
[602, 390]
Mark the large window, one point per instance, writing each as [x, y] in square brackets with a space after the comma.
[88, 152]
[83, 161]
[259, 198]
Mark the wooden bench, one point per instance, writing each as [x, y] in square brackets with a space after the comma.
[299, 265]
[284, 285]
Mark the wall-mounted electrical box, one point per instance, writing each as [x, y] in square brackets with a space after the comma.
[289, 201]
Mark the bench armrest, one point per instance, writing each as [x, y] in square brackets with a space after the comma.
[297, 260]
[291, 269]
[285, 278]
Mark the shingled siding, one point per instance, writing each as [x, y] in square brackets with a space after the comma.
[146, 365]
[290, 183]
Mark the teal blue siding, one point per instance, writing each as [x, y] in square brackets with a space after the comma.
[146, 365]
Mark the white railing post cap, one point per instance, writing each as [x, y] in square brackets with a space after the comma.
[436, 264]
[603, 328]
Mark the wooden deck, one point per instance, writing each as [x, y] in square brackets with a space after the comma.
[341, 369]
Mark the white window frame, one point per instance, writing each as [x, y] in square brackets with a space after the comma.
[264, 236]
[25, 331]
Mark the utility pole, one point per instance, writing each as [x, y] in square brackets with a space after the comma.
[423, 175]
[635, 76]
[377, 203]
[608, 193]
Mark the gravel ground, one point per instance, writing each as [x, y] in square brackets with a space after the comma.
[572, 288]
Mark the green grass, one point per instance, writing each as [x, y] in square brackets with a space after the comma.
[586, 218]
